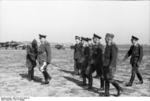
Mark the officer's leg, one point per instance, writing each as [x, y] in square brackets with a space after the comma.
[30, 73]
[107, 86]
[97, 70]
[76, 67]
[132, 76]
[100, 73]
[139, 76]
[92, 69]
[47, 77]
[83, 74]
[101, 83]
[116, 85]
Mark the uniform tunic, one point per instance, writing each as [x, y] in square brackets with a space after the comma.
[44, 53]
[31, 57]
[136, 53]
[96, 59]
[110, 60]
[78, 52]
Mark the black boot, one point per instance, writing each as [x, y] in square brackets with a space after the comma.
[45, 77]
[102, 83]
[131, 79]
[119, 89]
[32, 74]
[90, 82]
[29, 75]
[84, 81]
[139, 77]
[107, 88]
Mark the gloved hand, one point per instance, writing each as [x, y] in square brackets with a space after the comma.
[43, 66]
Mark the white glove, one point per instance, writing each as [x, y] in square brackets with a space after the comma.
[42, 67]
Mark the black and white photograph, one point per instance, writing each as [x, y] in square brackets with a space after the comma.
[74, 48]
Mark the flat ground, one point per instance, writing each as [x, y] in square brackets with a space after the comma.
[14, 82]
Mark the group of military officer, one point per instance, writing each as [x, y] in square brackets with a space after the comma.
[90, 56]
[42, 54]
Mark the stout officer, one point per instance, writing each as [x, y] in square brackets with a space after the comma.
[32, 52]
[110, 61]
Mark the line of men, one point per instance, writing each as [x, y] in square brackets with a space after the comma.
[92, 56]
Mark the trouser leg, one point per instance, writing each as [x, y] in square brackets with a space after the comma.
[107, 86]
[101, 82]
[30, 73]
[116, 85]
[46, 75]
[76, 67]
[132, 77]
[139, 76]
[83, 69]
[90, 82]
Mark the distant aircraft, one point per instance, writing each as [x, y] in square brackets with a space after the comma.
[12, 44]
[58, 46]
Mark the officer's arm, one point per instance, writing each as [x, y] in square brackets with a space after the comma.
[128, 54]
[113, 56]
[30, 54]
[48, 52]
[141, 54]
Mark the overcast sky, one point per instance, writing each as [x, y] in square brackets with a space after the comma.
[62, 20]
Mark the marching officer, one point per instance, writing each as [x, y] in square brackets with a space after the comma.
[110, 61]
[44, 57]
[86, 54]
[136, 53]
[32, 52]
[96, 61]
[77, 55]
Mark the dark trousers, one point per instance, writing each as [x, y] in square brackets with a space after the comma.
[108, 76]
[84, 66]
[99, 69]
[31, 73]
[76, 67]
[135, 70]
[46, 74]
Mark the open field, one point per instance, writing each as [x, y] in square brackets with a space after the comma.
[13, 77]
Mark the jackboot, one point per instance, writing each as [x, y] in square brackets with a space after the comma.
[107, 86]
[90, 82]
[101, 83]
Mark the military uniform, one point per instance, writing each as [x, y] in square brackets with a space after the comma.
[96, 63]
[136, 53]
[31, 58]
[85, 63]
[44, 55]
[77, 57]
[110, 60]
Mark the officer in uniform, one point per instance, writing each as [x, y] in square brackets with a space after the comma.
[136, 53]
[77, 55]
[96, 61]
[44, 57]
[86, 54]
[32, 52]
[110, 61]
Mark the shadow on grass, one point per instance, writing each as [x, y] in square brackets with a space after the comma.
[36, 78]
[66, 71]
[79, 83]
